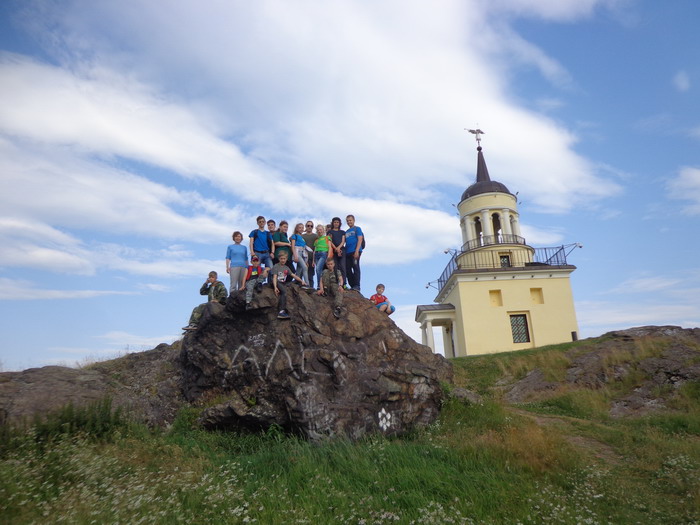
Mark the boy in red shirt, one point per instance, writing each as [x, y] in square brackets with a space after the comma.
[381, 302]
[254, 279]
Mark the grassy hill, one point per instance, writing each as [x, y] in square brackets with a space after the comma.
[604, 430]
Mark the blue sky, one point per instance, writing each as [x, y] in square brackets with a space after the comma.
[135, 139]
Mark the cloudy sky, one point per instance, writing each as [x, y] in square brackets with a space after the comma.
[135, 138]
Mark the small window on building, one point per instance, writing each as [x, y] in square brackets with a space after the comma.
[518, 325]
[496, 298]
[505, 260]
[536, 296]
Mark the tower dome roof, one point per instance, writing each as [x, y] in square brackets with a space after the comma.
[483, 183]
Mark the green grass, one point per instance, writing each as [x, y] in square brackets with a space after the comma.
[560, 460]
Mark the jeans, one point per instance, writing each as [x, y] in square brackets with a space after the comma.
[264, 259]
[282, 300]
[302, 267]
[352, 269]
[320, 262]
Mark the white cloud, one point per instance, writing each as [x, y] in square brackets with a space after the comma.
[597, 317]
[686, 186]
[681, 81]
[645, 285]
[558, 10]
[331, 94]
[31, 244]
[22, 290]
[341, 109]
[133, 342]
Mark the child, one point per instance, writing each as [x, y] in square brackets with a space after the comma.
[321, 248]
[261, 243]
[282, 244]
[381, 302]
[254, 279]
[215, 290]
[301, 255]
[281, 274]
[236, 262]
[337, 250]
[331, 283]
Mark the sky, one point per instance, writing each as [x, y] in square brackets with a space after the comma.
[135, 138]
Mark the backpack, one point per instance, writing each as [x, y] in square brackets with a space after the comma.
[270, 244]
[364, 237]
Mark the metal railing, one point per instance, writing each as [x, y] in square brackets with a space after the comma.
[488, 240]
[488, 260]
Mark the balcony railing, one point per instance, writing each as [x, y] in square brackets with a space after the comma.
[488, 240]
[470, 260]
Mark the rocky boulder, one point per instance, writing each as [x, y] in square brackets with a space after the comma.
[313, 374]
[661, 359]
[146, 384]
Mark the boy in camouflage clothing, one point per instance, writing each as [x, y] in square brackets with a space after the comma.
[215, 290]
[332, 284]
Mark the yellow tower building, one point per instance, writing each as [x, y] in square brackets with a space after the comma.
[497, 293]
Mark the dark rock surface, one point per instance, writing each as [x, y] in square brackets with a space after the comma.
[313, 374]
[147, 384]
[663, 359]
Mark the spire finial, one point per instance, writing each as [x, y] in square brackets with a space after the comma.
[477, 132]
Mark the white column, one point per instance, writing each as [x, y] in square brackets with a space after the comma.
[505, 222]
[486, 224]
[428, 340]
[447, 341]
[466, 229]
[516, 226]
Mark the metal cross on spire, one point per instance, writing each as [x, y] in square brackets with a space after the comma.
[478, 134]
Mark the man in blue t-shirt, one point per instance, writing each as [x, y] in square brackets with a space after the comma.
[260, 243]
[353, 251]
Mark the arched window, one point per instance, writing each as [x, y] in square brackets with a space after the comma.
[496, 221]
[479, 231]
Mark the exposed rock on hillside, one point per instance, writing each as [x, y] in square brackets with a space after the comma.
[659, 360]
[147, 384]
[313, 374]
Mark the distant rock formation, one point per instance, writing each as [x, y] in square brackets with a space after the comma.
[662, 359]
[313, 374]
[147, 384]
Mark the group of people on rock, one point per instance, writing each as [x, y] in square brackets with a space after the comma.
[330, 254]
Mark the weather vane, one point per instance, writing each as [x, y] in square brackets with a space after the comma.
[478, 134]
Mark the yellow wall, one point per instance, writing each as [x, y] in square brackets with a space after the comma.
[493, 201]
[483, 327]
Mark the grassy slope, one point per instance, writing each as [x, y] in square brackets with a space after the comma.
[560, 460]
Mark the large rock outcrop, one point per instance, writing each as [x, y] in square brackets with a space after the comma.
[661, 359]
[313, 374]
[146, 384]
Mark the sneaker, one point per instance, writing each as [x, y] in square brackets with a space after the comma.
[189, 327]
[258, 287]
[248, 306]
[337, 311]
[282, 315]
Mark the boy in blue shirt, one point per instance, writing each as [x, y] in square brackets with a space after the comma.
[354, 238]
[261, 242]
